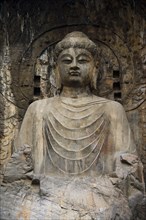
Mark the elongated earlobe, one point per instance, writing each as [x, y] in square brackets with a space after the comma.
[94, 79]
[57, 79]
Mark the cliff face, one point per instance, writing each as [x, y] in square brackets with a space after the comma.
[28, 32]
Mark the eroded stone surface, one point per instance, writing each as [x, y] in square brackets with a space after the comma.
[124, 35]
[76, 153]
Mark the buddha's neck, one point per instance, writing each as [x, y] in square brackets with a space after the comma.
[75, 92]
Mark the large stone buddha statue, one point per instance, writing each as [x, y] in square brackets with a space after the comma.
[76, 131]
[83, 155]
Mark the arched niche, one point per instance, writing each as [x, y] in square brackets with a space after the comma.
[116, 58]
[113, 53]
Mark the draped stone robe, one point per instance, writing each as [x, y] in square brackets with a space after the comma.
[76, 135]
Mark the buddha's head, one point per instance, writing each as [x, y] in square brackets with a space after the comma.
[76, 61]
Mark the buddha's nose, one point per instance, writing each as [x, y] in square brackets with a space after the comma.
[74, 63]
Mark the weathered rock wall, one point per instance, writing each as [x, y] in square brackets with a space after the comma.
[30, 29]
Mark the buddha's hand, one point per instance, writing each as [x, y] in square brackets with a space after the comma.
[129, 164]
[19, 165]
[128, 173]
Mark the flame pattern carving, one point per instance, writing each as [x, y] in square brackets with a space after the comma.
[75, 135]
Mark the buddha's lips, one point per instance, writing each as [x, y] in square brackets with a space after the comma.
[74, 73]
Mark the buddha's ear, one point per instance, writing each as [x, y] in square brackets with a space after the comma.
[94, 75]
[94, 78]
[57, 78]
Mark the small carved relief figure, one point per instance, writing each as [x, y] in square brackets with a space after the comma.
[81, 144]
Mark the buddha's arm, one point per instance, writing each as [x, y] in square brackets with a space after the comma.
[20, 163]
[25, 135]
[127, 163]
[29, 144]
[120, 129]
[31, 132]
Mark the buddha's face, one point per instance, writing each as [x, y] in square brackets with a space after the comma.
[75, 66]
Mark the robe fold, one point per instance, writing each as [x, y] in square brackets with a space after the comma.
[76, 135]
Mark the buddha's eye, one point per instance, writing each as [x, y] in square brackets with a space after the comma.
[67, 60]
[83, 59]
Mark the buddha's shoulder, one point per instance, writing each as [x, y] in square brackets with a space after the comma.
[109, 104]
[42, 104]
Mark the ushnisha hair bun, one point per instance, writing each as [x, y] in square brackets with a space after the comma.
[75, 39]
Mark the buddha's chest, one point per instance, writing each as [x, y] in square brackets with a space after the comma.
[75, 135]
